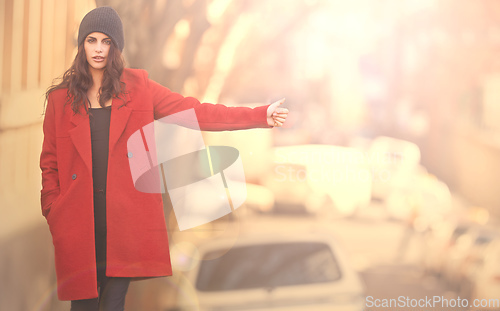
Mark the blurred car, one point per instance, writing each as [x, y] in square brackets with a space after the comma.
[319, 177]
[424, 197]
[401, 185]
[393, 163]
[274, 272]
[439, 240]
[467, 249]
[296, 195]
[484, 278]
[472, 266]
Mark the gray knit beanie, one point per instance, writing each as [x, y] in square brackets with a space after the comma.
[102, 19]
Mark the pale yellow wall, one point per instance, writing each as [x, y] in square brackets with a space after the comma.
[38, 44]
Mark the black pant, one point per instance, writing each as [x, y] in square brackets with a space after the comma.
[111, 297]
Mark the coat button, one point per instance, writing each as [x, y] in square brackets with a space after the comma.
[129, 154]
[73, 176]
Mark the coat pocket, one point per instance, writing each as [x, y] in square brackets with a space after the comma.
[52, 207]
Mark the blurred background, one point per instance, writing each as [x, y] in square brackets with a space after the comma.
[381, 183]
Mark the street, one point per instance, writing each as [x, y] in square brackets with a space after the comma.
[385, 253]
[386, 272]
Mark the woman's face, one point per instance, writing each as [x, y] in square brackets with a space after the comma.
[97, 47]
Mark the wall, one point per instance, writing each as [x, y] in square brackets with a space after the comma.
[38, 43]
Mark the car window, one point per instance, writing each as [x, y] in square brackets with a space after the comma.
[268, 266]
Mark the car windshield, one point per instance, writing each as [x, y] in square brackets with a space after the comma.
[268, 266]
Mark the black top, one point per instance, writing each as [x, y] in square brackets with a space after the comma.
[99, 130]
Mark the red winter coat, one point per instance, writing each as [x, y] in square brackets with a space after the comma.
[136, 230]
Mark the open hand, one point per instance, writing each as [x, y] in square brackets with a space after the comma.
[276, 116]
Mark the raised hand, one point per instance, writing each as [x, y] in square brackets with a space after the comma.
[276, 116]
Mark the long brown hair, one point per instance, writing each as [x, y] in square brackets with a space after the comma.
[78, 79]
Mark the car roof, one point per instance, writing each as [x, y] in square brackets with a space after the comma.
[273, 230]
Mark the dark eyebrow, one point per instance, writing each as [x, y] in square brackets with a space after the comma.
[90, 37]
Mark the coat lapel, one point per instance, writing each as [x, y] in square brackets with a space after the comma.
[119, 120]
[80, 134]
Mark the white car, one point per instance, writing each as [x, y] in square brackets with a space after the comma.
[273, 272]
[320, 176]
[439, 242]
[393, 162]
[468, 249]
[485, 280]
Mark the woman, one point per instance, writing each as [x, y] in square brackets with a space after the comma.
[105, 232]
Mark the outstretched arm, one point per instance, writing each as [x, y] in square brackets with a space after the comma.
[214, 117]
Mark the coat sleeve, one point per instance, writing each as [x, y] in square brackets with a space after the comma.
[48, 160]
[211, 117]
